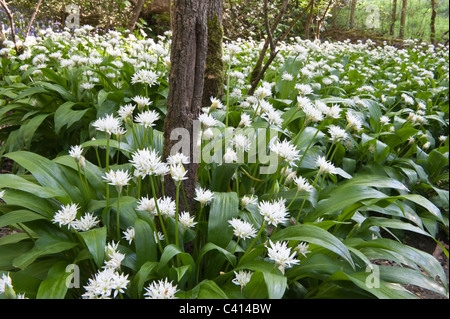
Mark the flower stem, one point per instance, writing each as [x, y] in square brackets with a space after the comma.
[253, 242]
[304, 201]
[292, 199]
[157, 210]
[118, 215]
[177, 200]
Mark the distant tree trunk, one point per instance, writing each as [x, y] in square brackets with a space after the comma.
[403, 19]
[2, 38]
[321, 19]
[433, 22]
[33, 16]
[187, 57]
[393, 17]
[352, 13]
[135, 14]
[309, 20]
[214, 71]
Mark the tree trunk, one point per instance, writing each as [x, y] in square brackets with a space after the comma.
[214, 71]
[135, 15]
[2, 38]
[352, 14]
[403, 19]
[188, 56]
[393, 17]
[433, 22]
[309, 20]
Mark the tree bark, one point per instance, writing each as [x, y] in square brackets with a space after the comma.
[433, 22]
[352, 13]
[186, 78]
[403, 19]
[393, 17]
[214, 71]
[33, 16]
[135, 15]
[309, 20]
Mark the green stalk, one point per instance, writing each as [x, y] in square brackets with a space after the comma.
[304, 201]
[118, 215]
[253, 242]
[228, 96]
[293, 199]
[157, 209]
[176, 214]
[310, 143]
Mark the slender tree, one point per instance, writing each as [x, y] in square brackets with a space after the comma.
[135, 14]
[309, 19]
[214, 64]
[433, 22]
[186, 78]
[352, 13]
[393, 17]
[403, 19]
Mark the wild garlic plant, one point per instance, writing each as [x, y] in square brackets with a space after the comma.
[288, 182]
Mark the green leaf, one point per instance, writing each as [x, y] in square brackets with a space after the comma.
[26, 259]
[315, 235]
[221, 177]
[265, 284]
[381, 290]
[18, 216]
[145, 243]
[95, 240]
[64, 115]
[410, 256]
[18, 182]
[213, 247]
[406, 276]
[224, 206]
[391, 223]
[55, 285]
[145, 273]
[28, 129]
[208, 289]
[46, 172]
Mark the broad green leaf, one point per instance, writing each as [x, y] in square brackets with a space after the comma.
[145, 273]
[318, 266]
[24, 260]
[65, 116]
[315, 235]
[379, 289]
[95, 240]
[210, 290]
[264, 284]
[46, 172]
[213, 247]
[145, 243]
[410, 255]
[55, 285]
[391, 223]
[224, 206]
[221, 177]
[18, 216]
[28, 129]
[18, 182]
[406, 276]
